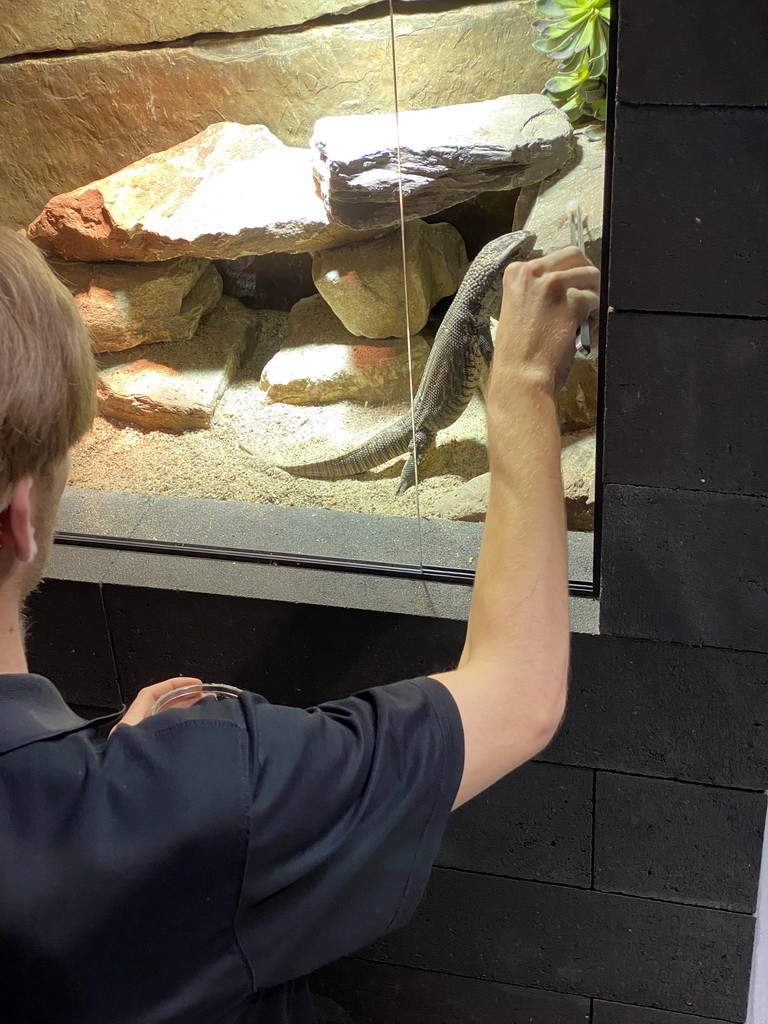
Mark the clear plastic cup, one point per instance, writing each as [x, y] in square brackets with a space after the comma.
[186, 696]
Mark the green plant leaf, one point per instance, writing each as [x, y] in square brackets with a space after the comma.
[575, 33]
[564, 28]
[573, 64]
[586, 38]
[598, 66]
[561, 5]
[594, 132]
[554, 48]
[549, 9]
[561, 84]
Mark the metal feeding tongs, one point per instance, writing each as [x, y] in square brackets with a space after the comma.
[576, 222]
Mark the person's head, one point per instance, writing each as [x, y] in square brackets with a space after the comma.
[47, 397]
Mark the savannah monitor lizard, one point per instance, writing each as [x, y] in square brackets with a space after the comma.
[451, 375]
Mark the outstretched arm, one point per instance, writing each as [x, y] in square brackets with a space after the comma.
[510, 686]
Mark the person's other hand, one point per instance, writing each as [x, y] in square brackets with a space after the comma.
[544, 302]
[142, 704]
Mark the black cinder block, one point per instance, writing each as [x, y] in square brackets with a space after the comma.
[618, 1013]
[389, 994]
[536, 823]
[685, 402]
[698, 53]
[68, 642]
[678, 841]
[666, 710]
[686, 566]
[676, 957]
[689, 215]
[293, 654]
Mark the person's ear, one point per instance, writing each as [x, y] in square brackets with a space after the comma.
[17, 530]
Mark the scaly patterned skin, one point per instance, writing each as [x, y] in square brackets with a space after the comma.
[462, 344]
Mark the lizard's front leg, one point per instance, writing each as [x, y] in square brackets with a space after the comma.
[423, 442]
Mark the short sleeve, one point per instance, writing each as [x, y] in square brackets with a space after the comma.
[350, 801]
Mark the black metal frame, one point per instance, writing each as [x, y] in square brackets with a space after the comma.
[610, 125]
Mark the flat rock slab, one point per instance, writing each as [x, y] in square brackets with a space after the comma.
[447, 154]
[581, 181]
[321, 362]
[363, 283]
[577, 462]
[177, 386]
[230, 191]
[129, 304]
[58, 131]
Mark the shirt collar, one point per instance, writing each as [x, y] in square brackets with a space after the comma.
[31, 708]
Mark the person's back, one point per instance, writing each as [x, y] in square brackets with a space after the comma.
[196, 865]
[189, 869]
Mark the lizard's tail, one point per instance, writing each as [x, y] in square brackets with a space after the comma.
[386, 445]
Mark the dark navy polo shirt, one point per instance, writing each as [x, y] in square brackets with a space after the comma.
[190, 869]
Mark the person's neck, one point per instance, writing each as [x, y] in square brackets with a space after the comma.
[13, 660]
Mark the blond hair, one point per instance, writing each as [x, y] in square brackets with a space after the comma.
[47, 371]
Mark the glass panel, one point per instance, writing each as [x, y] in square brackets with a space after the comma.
[245, 288]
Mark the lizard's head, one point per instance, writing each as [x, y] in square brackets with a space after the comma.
[508, 248]
[487, 268]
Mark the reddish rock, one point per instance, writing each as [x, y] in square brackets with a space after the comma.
[129, 304]
[230, 191]
[177, 387]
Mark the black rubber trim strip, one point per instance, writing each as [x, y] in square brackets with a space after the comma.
[433, 573]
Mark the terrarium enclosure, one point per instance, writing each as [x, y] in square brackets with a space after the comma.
[278, 221]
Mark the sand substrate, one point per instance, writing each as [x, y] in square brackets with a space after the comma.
[236, 459]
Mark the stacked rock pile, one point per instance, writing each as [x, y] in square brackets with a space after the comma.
[144, 251]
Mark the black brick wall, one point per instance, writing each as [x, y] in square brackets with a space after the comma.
[613, 881]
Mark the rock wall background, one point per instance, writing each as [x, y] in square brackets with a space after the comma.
[119, 84]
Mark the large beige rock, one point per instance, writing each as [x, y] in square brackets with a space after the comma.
[577, 401]
[38, 25]
[67, 121]
[577, 462]
[466, 502]
[129, 304]
[177, 386]
[321, 362]
[580, 181]
[230, 191]
[446, 155]
[363, 283]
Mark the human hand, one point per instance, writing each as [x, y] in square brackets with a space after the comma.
[544, 302]
[142, 704]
